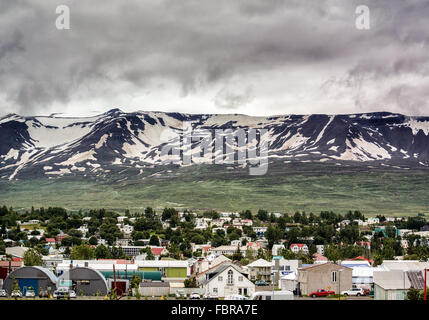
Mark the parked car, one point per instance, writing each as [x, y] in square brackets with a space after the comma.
[211, 296]
[30, 293]
[321, 293]
[353, 292]
[261, 283]
[63, 293]
[43, 293]
[180, 294]
[195, 295]
[3, 293]
[16, 294]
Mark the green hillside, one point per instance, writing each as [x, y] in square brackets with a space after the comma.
[285, 188]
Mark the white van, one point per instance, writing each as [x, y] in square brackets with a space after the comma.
[272, 295]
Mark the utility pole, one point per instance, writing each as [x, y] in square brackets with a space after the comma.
[339, 284]
[426, 270]
[114, 279]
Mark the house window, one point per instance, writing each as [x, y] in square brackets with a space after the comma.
[240, 278]
[334, 276]
[230, 277]
[214, 290]
[220, 278]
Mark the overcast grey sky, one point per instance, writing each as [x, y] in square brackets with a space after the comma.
[257, 57]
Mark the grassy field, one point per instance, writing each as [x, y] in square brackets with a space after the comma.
[286, 188]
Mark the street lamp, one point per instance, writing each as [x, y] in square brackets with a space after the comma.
[339, 284]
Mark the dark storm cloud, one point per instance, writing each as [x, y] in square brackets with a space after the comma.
[203, 44]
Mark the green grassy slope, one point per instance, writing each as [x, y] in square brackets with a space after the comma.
[286, 188]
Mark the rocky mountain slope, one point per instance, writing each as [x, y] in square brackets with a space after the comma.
[53, 146]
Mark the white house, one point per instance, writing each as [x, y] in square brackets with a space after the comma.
[127, 229]
[217, 223]
[296, 247]
[84, 229]
[200, 224]
[320, 249]
[275, 250]
[227, 280]
[373, 220]
[286, 266]
[121, 219]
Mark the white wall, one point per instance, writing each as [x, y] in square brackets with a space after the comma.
[223, 289]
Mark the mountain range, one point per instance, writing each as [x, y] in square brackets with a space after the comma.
[55, 146]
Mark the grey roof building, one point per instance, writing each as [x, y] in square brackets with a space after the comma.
[85, 281]
[34, 277]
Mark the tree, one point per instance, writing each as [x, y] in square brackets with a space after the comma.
[32, 258]
[149, 213]
[82, 252]
[247, 214]
[135, 281]
[93, 241]
[333, 253]
[237, 255]
[149, 253]
[167, 213]
[262, 215]
[273, 235]
[190, 283]
[154, 241]
[102, 252]
[414, 294]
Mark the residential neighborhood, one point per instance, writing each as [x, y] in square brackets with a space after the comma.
[172, 254]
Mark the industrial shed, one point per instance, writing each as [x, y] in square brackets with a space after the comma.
[84, 280]
[31, 277]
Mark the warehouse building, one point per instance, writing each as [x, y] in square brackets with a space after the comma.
[34, 277]
[170, 269]
[84, 281]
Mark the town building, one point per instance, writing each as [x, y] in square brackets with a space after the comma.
[84, 281]
[320, 249]
[328, 276]
[260, 231]
[227, 279]
[297, 247]
[260, 270]
[362, 273]
[276, 249]
[393, 278]
[33, 277]
[170, 269]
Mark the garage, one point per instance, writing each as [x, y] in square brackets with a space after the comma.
[32, 277]
[84, 281]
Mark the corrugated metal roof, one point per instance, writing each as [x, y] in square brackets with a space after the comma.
[391, 280]
[48, 272]
[417, 279]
